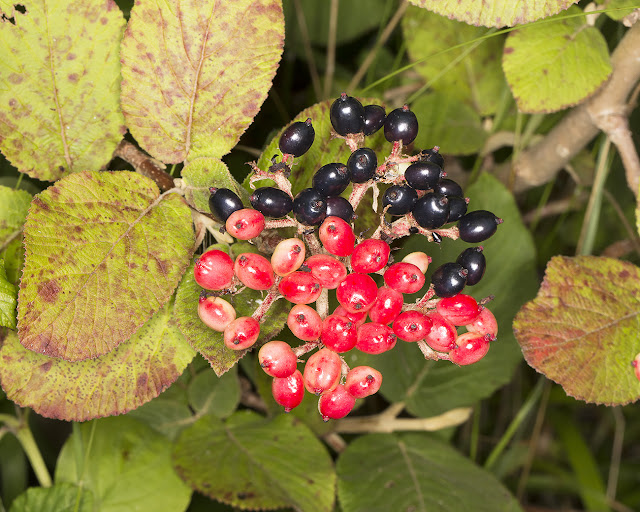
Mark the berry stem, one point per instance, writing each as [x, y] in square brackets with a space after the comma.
[286, 222]
[358, 192]
[311, 239]
[431, 354]
[268, 301]
[307, 347]
[278, 178]
[322, 303]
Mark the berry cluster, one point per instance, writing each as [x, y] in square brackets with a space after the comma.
[327, 255]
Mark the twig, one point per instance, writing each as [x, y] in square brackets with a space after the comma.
[382, 423]
[144, 164]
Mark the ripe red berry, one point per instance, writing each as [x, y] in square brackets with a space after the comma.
[242, 333]
[322, 371]
[636, 366]
[484, 323]
[404, 277]
[288, 391]
[327, 269]
[357, 318]
[336, 404]
[357, 292]
[460, 309]
[412, 326]
[419, 259]
[215, 312]
[363, 381]
[370, 256]
[214, 270]
[277, 359]
[305, 323]
[300, 288]
[254, 271]
[387, 306]
[339, 333]
[337, 236]
[245, 224]
[443, 334]
[375, 338]
[470, 348]
[288, 256]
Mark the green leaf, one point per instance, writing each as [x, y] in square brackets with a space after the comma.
[165, 415]
[556, 65]
[618, 9]
[61, 95]
[256, 463]
[195, 73]
[210, 394]
[104, 251]
[61, 497]
[495, 13]
[443, 119]
[129, 467]
[137, 371]
[475, 79]
[415, 472]
[581, 330]
[14, 206]
[8, 300]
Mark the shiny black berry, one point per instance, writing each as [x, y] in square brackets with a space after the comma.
[271, 202]
[401, 198]
[423, 175]
[297, 138]
[374, 116]
[477, 226]
[431, 211]
[338, 206]
[362, 164]
[347, 115]
[401, 124]
[474, 262]
[432, 155]
[331, 179]
[457, 208]
[223, 202]
[310, 207]
[448, 187]
[449, 279]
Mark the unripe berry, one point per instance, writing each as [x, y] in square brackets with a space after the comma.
[305, 322]
[215, 312]
[322, 371]
[245, 224]
[387, 306]
[288, 391]
[242, 333]
[404, 277]
[357, 292]
[254, 271]
[300, 288]
[363, 381]
[460, 309]
[336, 404]
[419, 259]
[470, 348]
[288, 256]
[370, 256]
[339, 333]
[484, 323]
[277, 359]
[375, 338]
[337, 236]
[326, 269]
[443, 334]
[214, 270]
[411, 326]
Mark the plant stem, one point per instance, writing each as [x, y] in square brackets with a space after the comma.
[331, 47]
[30, 448]
[387, 424]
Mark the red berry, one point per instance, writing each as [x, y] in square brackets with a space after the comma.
[288, 256]
[357, 292]
[375, 338]
[288, 391]
[339, 333]
[215, 312]
[484, 323]
[305, 323]
[404, 277]
[370, 256]
[442, 336]
[460, 309]
[419, 259]
[387, 306]
[470, 348]
[327, 269]
[214, 270]
[357, 318]
[363, 381]
[277, 359]
[242, 333]
[337, 236]
[322, 371]
[412, 326]
[636, 366]
[254, 271]
[336, 404]
[300, 288]
[245, 224]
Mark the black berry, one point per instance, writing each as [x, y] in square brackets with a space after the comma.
[401, 124]
[448, 187]
[423, 175]
[310, 207]
[432, 155]
[331, 179]
[374, 116]
[223, 202]
[400, 198]
[297, 138]
[474, 262]
[449, 279]
[347, 115]
[271, 202]
[339, 207]
[477, 226]
[431, 211]
[457, 208]
[362, 164]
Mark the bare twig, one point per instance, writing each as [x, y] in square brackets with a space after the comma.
[384, 423]
[144, 164]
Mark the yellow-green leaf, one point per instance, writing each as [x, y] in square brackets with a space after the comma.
[8, 296]
[195, 72]
[104, 251]
[60, 86]
[14, 205]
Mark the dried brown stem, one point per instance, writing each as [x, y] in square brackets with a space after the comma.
[144, 164]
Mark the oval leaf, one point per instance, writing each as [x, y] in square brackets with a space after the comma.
[495, 13]
[137, 371]
[581, 331]
[256, 463]
[556, 65]
[14, 206]
[210, 394]
[103, 252]
[60, 497]
[61, 100]
[195, 73]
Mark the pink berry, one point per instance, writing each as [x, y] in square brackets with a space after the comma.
[363, 381]
[215, 312]
[305, 323]
[636, 366]
[326, 269]
[357, 292]
[288, 391]
[214, 270]
[336, 404]
[460, 309]
[322, 371]
[300, 288]
[370, 256]
[419, 259]
[288, 256]
[387, 306]
[254, 271]
[357, 318]
[470, 348]
[375, 338]
[484, 323]
[337, 236]
[242, 333]
[404, 277]
[245, 224]
[339, 333]
[277, 359]
[412, 326]
[443, 334]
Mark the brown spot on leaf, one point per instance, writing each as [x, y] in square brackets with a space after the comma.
[104, 20]
[46, 366]
[15, 78]
[73, 77]
[141, 383]
[49, 291]
[71, 56]
[508, 50]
